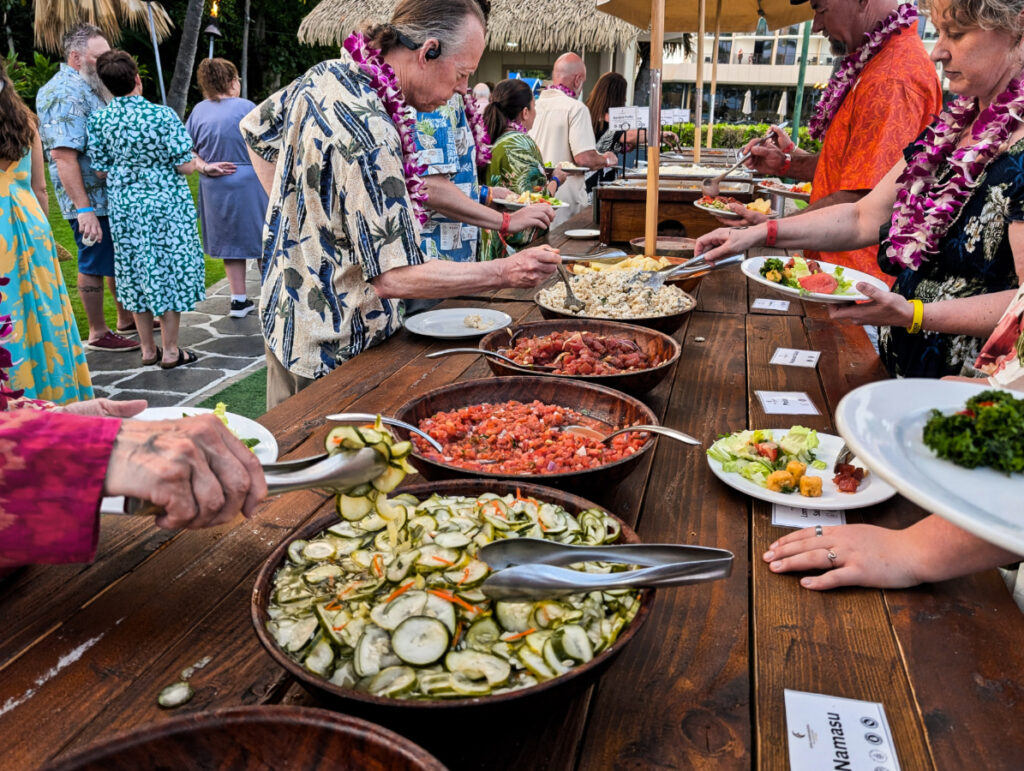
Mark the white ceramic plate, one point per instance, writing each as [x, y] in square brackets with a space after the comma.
[725, 214]
[517, 205]
[873, 489]
[243, 427]
[583, 234]
[884, 422]
[451, 322]
[572, 169]
[784, 192]
[752, 268]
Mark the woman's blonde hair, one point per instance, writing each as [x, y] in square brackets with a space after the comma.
[990, 15]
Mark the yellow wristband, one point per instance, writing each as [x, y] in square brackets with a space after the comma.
[915, 325]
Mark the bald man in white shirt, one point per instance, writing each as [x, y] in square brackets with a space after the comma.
[563, 132]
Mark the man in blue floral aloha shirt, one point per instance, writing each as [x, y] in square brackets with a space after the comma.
[341, 242]
[64, 104]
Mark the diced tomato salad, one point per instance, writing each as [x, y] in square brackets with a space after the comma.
[523, 438]
[581, 353]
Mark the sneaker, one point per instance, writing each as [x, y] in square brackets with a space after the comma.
[241, 308]
[113, 343]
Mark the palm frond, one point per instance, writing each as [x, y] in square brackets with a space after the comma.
[55, 17]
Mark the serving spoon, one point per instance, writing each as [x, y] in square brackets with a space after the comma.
[572, 302]
[690, 269]
[712, 185]
[493, 355]
[591, 433]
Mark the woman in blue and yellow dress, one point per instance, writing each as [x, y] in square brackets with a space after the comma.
[46, 350]
[145, 151]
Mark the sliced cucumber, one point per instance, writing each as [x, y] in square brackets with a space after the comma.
[352, 508]
[295, 552]
[483, 634]
[514, 616]
[476, 665]
[451, 540]
[464, 686]
[390, 479]
[552, 660]
[318, 551]
[442, 610]
[536, 664]
[420, 640]
[399, 609]
[435, 557]
[344, 437]
[322, 573]
[373, 652]
[320, 658]
[344, 676]
[393, 681]
[175, 695]
[473, 573]
[399, 569]
[571, 642]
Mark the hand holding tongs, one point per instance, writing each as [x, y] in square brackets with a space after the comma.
[711, 186]
[525, 568]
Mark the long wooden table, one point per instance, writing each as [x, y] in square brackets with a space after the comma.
[84, 650]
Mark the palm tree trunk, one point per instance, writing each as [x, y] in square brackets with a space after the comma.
[177, 95]
[245, 52]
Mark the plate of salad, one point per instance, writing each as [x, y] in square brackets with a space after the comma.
[953, 448]
[809, 279]
[526, 199]
[791, 466]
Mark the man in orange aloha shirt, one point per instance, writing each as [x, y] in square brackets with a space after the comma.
[893, 99]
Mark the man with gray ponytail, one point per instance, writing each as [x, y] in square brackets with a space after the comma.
[336, 152]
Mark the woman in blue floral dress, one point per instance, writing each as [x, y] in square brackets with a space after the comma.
[145, 150]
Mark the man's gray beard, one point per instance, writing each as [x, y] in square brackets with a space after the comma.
[92, 79]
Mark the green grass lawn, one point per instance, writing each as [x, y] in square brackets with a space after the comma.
[62, 232]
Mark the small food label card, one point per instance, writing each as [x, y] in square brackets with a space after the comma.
[787, 403]
[764, 304]
[833, 732]
[794, 516]
[795, 357]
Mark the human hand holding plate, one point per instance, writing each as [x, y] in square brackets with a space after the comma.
[884, 309]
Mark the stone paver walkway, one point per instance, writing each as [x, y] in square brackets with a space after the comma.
[228, 348]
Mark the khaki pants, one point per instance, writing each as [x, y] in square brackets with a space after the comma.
[281, 383]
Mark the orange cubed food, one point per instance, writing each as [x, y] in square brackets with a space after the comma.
[810, 487]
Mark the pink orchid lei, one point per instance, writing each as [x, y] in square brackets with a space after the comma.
[384, 81]
[841, 83]
[564, 89]
[517, 126]
[480, 135]
[925, 207]
[6, 329]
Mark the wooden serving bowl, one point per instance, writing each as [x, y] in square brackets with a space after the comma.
[606, 405]
[669, 247]
[394, 711]
[662, 349]
[270, 738]
[666, 324]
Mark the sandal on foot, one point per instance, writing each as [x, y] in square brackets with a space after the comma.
[185, 356]
[150, 362]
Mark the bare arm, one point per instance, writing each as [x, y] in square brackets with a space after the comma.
[70, 175]
[38, 176]
[445, 197]
[264, 170]
[441, 278]
[592, 159]
[187, 168]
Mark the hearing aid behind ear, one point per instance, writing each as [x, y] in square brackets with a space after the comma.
[434, 51]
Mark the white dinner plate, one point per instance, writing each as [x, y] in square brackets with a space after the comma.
[572, 169]
[873, 489]
[726, 214]
[449, 323]
[752, 268]
[243, 427]
[784, 192]
[884, 422]
[583, 234]
[517, 205]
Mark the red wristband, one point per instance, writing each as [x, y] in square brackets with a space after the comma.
[505, 220]
[786, 164]
[772, 234]
[788, 148]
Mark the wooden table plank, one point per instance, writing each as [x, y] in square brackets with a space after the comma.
[690, 661]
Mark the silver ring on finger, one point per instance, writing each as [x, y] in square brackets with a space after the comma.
[818, 531]
[832, 556]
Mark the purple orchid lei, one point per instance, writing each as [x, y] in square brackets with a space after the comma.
[853, 64]
[384, 81]
[564, 89]
[6, 329]
[925, 207]
[480, 135]
[517, 126]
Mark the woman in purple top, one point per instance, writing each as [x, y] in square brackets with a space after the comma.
[232, 203]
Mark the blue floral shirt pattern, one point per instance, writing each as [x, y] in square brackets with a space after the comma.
[64, 105]
[339, 216]
[445, 143]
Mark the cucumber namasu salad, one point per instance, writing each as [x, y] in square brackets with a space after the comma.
[387, 601]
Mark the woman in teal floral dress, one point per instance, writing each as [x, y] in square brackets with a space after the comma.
[145, 150]
[516, 162]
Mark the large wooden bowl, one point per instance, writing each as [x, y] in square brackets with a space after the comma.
[395, 710]
[271, 738]
[606, 405]
[666, 324]
[662, 349]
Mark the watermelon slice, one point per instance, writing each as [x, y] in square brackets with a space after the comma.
[820, 283]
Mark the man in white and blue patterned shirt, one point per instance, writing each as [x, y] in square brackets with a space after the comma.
[64, 105]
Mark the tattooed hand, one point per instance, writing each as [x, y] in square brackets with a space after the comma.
[194, 468]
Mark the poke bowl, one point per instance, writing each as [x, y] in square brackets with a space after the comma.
[660, 350]
[445, 686]
[513, 428]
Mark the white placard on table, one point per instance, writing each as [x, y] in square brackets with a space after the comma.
[797, 517]
[787, 403]
[672, 116]
[795, 357]
[764, 304]
[622, 118]
[834, 732]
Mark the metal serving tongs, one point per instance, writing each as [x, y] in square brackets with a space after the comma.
[711, 185]
[527, 568]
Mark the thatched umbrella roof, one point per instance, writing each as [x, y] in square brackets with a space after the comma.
[534, 25]
[55, 17]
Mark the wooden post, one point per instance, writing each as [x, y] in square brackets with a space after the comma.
[698, 107]
[654, 126]
[714, 69]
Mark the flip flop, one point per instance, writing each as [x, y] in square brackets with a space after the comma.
[133, 328]
[150, 362]
[185, 356]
